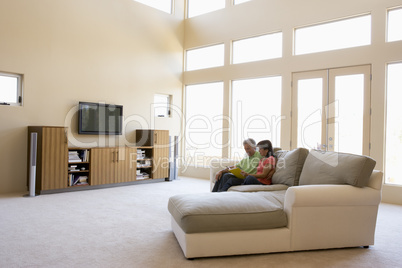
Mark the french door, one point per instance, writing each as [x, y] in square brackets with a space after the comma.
[331, 109]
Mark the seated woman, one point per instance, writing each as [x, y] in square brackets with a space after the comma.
[266, 166]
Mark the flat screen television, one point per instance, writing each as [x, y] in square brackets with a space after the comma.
[100, 118]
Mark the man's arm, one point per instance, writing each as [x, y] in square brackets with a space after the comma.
[219, 174]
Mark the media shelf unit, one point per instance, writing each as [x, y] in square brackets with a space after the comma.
[144, 162]
[60, 168]
[78, 167]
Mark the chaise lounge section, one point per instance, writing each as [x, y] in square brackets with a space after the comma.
[319, 200]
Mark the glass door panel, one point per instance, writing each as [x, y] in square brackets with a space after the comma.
[308, 101]
[349, 106]
[349, 96]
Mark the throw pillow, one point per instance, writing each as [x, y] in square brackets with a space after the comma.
[336, 168]
[289, 166]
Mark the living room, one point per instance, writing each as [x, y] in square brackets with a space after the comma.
[124, 52]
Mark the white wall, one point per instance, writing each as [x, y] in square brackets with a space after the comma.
[113, 51]
[260, 16]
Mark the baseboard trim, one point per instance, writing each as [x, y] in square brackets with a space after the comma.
[95, 187]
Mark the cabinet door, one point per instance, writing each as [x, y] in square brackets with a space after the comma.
[126, 165]
[54, 158]
[161, 154]
[103, 165]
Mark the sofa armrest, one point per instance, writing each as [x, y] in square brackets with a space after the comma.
[375, 180]
[336, 195]
[217, 165]
[332, 216]
[331, 195]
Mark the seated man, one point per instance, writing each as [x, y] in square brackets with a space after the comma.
[225, 179]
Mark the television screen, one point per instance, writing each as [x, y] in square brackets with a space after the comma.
[100, 118]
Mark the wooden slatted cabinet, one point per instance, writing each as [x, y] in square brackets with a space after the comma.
[159, 140]
[52, 156]
[113, 165]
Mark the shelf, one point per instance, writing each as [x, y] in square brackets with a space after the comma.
[78, 171]
[80, 185]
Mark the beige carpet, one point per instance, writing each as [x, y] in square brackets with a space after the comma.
[130, 227]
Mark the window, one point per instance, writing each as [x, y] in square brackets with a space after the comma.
[256, 112]
[257, 48]
[340, 34]
[394, 25]
[162, 105]
[393, 135]
[203, 125]
[206, 57]
[236, 2]
[199, 7]
[10, 89]
[163, 5]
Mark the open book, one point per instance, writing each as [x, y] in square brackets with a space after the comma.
[237, 172]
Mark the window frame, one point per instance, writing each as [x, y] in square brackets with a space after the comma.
[18, 98]
[234, 127]
[326, 23]
[387, 29]
[205, 159]
[253, 37]
[386, 124]
[234, 2]
[157, 8]
[189, 16]
[203, 47]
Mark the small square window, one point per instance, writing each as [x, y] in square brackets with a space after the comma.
[10, 89]
[162, 105]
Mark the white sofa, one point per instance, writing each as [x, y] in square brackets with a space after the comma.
[318, 215]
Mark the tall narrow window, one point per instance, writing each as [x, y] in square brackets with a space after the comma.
[256, 112]
[394, 25]
[393, 136]
[163, 5]
[206, 57]
[352, 32]
[199, 7]
[203, 125]
[10, 89]
[257, 48]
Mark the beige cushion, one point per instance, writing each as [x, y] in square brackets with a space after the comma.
[289, 166]
[336, 168]
[228, 211]
[257, 188]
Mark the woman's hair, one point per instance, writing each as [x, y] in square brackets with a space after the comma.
[266, 144]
